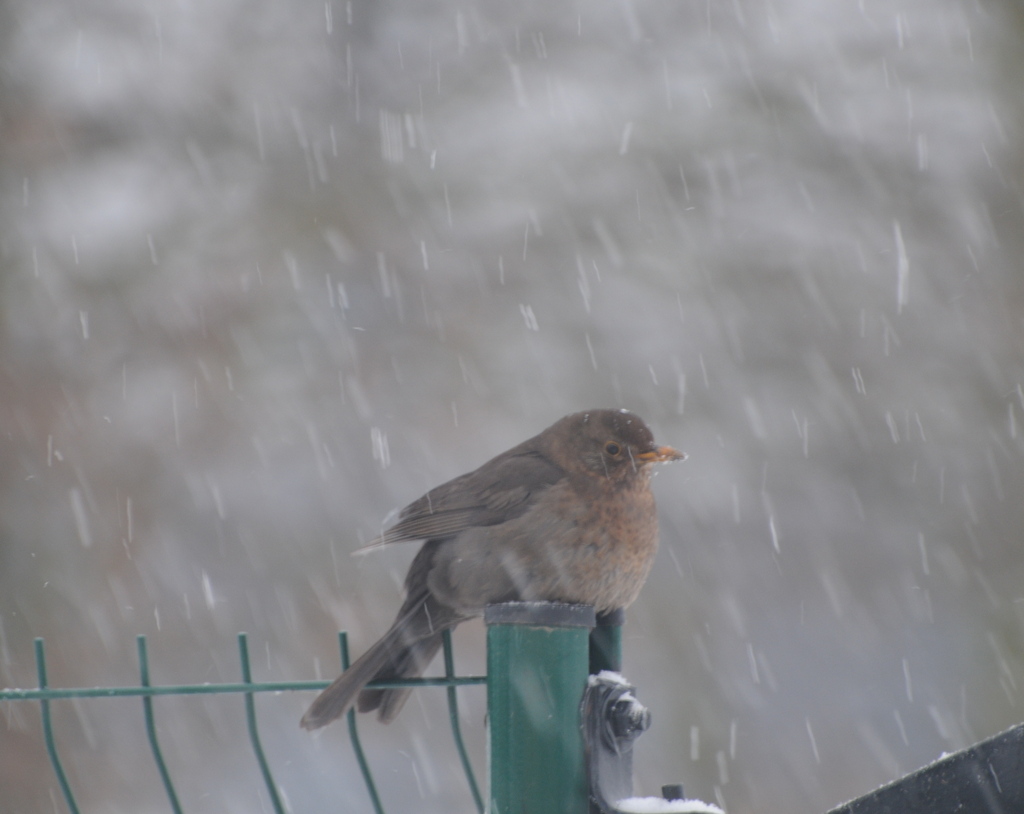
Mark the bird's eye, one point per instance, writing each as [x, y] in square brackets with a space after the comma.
[612, 448]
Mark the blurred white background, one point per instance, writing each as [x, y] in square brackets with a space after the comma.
[269, 270]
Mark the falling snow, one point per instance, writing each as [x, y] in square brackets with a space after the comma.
[271, 271]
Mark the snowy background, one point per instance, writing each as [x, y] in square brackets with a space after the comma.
[269, 270]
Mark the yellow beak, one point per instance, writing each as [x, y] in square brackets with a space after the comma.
[661, 455]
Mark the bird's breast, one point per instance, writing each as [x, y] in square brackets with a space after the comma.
[603, 556]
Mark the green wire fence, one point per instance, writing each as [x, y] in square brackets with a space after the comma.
[145, 690]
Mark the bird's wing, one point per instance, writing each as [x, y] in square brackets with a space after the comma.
[501, 489]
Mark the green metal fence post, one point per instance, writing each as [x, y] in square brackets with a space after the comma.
[537, 667]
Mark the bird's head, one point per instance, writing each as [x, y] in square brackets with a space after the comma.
[616, 444]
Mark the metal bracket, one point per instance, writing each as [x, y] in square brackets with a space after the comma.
[612, 720]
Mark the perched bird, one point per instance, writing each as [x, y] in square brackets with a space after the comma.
[566, 516]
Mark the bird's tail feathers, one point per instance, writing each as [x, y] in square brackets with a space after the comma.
[403, 652]
[409, 663]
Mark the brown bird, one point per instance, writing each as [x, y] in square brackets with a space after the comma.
[565, 516]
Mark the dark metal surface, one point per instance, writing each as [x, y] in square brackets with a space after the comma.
[987, 778]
